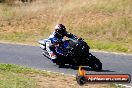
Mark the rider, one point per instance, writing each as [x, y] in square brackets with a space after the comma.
[56, 39]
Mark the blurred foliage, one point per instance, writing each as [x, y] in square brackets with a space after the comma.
[2, 1]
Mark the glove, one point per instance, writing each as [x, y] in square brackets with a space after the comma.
[79, 38]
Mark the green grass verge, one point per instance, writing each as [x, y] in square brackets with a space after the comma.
[20, 69]
[9, 77]
[12, 80]
[13, 76]
[116, 86]
[109, 46]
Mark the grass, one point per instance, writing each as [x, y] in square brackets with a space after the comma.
[24, 70]
[12, 76]
[109, 46]
[11, 80]
[106, 24]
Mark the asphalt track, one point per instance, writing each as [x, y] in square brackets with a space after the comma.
[31, 56]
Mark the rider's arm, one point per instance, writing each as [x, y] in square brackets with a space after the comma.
[55, 41]
[70, 35]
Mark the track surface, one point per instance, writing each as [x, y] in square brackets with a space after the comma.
[31, 56]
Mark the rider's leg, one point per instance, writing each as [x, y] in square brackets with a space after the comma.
[52, 55]
[50, 50]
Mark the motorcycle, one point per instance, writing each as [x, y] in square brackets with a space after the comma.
[76, 53]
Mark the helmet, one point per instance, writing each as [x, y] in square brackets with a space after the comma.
[60, 29]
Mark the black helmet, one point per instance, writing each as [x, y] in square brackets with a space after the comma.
[60, 29]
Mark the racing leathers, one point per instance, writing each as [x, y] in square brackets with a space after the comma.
[56, 40]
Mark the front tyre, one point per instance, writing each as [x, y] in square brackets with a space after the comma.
[94, 63]
[97, 65]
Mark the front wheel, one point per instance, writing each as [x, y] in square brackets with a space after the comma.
[94, 63]
[97, 65]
